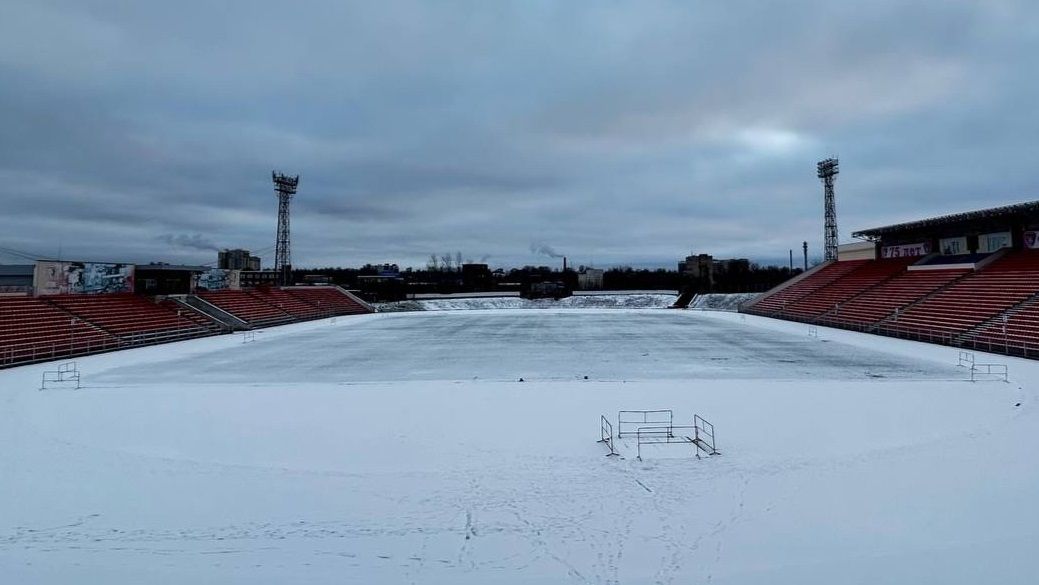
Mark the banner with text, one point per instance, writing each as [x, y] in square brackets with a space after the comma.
[994, 241]
[906, 250]
[953, 246]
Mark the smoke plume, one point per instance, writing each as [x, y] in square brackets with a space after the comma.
[193, 241]
[545, 250]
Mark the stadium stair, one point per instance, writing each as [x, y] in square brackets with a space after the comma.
[861, 279]
[248, 307]
[134, 319]
[33, 330]
[955, 306]
[1013, 331]
[883, 301]
[971, 301]
[774, 303]
[330, 300]
[265, 307]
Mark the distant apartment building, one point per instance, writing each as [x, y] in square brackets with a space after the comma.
[238, 259]
[705, 268]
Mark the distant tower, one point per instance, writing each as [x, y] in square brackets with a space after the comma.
[827, 171]
[285, 187]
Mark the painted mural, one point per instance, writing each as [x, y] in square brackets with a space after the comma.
[61, 278]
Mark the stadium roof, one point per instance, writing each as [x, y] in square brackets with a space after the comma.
[1009, 212]
[173, 267]
[16, 269]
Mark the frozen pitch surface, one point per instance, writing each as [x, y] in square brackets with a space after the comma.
[508, 345]
[402, 448]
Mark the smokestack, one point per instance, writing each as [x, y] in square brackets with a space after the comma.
[564, 264]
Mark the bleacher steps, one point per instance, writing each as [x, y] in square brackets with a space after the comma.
[888, 320]
[995, 320]
[212, 311]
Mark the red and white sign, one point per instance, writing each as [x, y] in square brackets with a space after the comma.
[906, 250]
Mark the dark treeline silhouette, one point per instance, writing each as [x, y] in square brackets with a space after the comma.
[380, 284]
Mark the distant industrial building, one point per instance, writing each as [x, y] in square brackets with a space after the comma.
[477, 277]
[238, 259]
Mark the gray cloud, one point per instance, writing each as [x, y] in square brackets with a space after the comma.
[190, 241]
[621, 133]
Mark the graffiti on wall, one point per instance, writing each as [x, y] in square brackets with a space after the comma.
[216, 279]
[60, 278]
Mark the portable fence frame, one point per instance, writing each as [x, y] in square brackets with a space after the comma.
[606, 435]
[645, 415]
[67, 372]
[989, 370]
[702, 431]
[661, 435]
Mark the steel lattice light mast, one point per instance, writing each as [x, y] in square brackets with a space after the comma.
[285, 187]
[827, 171]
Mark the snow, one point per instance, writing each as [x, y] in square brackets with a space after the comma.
[647, 300]
[399, 448]
[721, 301]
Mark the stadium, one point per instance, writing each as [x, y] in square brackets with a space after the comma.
[873, 416]
[468, 293]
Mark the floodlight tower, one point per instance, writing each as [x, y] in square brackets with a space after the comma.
[285, 187]
[827, 171]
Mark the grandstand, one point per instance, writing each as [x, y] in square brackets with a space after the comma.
[969, 279]
[47, 327]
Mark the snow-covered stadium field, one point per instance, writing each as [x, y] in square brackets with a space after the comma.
[402, 448]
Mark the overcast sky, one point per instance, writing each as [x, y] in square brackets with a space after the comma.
[614, 132]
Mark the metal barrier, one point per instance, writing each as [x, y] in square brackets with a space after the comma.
[628, 421]
[606, 435]
[663, 435]
[813, 331]
[67, 372]
[248, 336]
[703, 436]
[999, 370]
[966, 358]
[656, 427]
